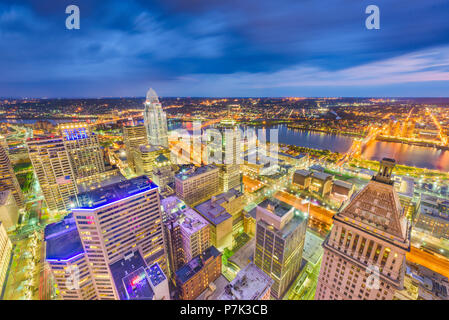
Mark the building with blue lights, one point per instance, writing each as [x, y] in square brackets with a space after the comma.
[134, 280]
[68, 261]
[83, 148]
[116, 219]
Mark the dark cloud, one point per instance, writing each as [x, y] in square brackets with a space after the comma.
[206, 47]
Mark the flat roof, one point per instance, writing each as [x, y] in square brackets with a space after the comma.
[195, 171]
[343, 184]
[112, 193]
[321, 175]
[304, 173]
[196, 264]
[130, 278]
[280, 207]
[212, 211]
[62, 240]
[249, 284]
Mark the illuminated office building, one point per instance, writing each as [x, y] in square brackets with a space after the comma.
[133, 138]
[187, 232]
[197, 184]
[8, 179]
[155, 120]
[5, 254]
[194, 277]
[116, 219]
[144, 157]
[369, 240]
[68, 261]
[83, 148]
[280, 237]
[163, 174]
[54, 171]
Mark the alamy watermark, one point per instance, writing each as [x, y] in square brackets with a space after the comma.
[226, 146]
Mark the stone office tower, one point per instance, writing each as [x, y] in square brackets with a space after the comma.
[364, 255]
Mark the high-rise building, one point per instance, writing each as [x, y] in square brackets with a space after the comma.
[155, 120]
[8, 179]
[197, 184]
[83, 148]
[54, 171]
[194, 277]
[5, 253]
[251, 283]
[68, 261]
[225, 154]
[368, 241]
[187, 232]
[133, 138]
[280, 237]
[116, 219]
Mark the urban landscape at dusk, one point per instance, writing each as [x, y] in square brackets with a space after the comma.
[272, 172]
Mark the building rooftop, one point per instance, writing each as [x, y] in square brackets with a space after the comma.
[112, 193]
[212, 210]
[343, 184]
[130, 278]
[196, 264]
[251, 283]
[62, 240]
[276, 206]
[304, 173]
[189, 220]
[195, 171]
[4, 196]
[321, 176]
[150, 148]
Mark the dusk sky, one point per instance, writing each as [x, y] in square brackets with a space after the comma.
[236, 48]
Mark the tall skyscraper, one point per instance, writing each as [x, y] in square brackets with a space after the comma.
[155, 120]
[8, 179]
[229, 149]
[5, 253]
[54, 171]
[280, 237]
[368, 241]
[115, 220]
[83, 148]
[133, 138]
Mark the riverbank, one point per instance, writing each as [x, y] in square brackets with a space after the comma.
[413, 143]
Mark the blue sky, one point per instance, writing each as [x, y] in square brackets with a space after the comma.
[224, 48]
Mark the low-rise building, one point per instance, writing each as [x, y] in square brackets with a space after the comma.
[194, 277]
[134, 280]
[432, 216]
[251, 283]
[302, 178]
[321, 183]
[341, 191]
